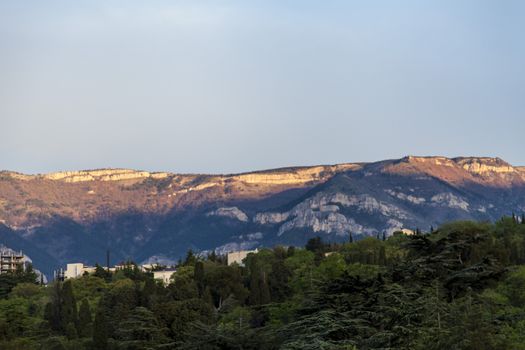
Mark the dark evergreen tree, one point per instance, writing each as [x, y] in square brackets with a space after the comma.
[71, 331]
[140, 330]
[212, 256]
[100, 329]
[147, 293]
[190, 259]
[68, 310]
[315, 245]
[85, 322]
[278, 281]
[53, 309]
[382, 256]
[198, 276]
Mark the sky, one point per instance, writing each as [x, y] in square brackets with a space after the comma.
[230, 86]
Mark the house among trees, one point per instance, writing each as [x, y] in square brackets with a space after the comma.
[76, 270]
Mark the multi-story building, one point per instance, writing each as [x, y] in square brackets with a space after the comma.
[10, 260]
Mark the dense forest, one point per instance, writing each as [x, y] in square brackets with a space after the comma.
[461, 286]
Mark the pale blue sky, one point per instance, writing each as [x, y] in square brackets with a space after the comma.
[229, 86]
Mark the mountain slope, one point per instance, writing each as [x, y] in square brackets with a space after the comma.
[76, 216]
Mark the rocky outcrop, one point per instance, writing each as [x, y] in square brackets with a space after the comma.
[102, 175]
[406, 197]
[293, 176]
[450, 200]
[485, 165]
[270, 218]
[230, 212]
[320, 213]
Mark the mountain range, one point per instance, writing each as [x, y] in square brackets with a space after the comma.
[157, 216]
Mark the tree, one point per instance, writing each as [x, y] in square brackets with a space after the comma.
[85, 322]
[71, 331]
[315, 244]
[53, 309]
[191, 259]
[102, 273]
[148, 292]
[100, 329]
[68, 309]
[198, 276]
[212, 256]
[140, 330]
[278, 281]
[382, 256]
[259, 290]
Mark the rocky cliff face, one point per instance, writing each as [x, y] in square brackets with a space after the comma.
[78, 215]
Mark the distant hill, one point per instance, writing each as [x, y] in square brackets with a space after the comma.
[77, 216]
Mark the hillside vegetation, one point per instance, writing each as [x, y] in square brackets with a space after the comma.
[461, 286]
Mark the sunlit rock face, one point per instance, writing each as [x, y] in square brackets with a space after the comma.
[102, 175]
[230, 212]
[76, 216]
[481, 166]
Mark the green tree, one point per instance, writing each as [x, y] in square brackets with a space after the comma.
[68, 309]
[100, 329]
[85, 322]
[199, 277]
[140, 330]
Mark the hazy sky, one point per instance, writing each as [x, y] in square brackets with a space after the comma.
[228, 86]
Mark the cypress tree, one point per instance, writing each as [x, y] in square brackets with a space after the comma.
[85, 322]
[212, 256]
[350, 238]
[52, 311]
[382, 256]
[147, 292]
[100, 330]
[255, 292]
[198, 276]
[264, 288]
[68, 311]
[190, 258]
[291, 251]
[523, 218]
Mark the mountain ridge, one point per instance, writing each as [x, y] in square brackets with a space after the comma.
[143, 215]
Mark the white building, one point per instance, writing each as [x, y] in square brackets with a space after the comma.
[239, 256]
[164, 276]
[77, 270]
